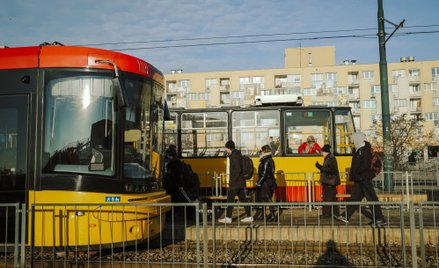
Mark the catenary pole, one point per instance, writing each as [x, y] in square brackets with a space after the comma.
[385, 110]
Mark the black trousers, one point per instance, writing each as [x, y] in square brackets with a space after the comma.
[265, 194]
[330, 195]
[231, 193]
[364, 189]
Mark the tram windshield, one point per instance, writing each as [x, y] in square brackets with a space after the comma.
[79, 124]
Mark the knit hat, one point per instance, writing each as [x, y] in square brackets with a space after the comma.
[326, 148]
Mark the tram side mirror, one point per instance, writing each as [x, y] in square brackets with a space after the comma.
[120, 93]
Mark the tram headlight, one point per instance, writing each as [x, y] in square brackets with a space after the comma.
[79, 213]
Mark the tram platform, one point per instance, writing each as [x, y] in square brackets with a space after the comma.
[304, 224]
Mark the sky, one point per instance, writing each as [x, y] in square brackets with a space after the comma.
[224, 35]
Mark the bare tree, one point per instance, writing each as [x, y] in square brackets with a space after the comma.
[406, 134]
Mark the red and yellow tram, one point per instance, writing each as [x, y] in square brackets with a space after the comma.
[200, 135]
[81, 125]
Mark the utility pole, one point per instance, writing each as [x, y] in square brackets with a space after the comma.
[385, 110]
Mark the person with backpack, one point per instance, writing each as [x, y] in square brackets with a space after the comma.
[236, 183]
[329, 179]
[362, 174]
[266, 183]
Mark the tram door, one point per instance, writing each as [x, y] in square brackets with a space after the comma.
[13, 160]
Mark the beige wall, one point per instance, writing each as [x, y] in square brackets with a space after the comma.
[309, 56]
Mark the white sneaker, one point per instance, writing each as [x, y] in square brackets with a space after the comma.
[247, 219]
[225, 220]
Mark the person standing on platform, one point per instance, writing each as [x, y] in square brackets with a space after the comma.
[266, 183]
[329, 179]
[236, 183]
[362, 174]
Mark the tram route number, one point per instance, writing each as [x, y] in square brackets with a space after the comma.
[112, 199]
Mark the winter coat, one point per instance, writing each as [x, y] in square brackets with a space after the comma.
[235, 180]
[266, 171]
[361, 164]
[329, 172]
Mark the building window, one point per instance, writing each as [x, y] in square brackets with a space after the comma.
[198, 96]
[434, 73]
[432, 116]
[398, 73]
[353, 77]
[210, 83]
[414, 88]
[224, 84]
[374, 90]
[256, 81]
[171, 86]
[280, 81]
[184, 85]
[294, 78]
[309, 92]
[415, 105]
[414, 72]
[237, 95]
[331, 77]
[368, 75]
[436, 101]
[317, 80]
[369, 104]
[225, 98]
[400, 103]
[341, 90]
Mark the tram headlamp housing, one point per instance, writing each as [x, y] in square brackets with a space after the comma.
[79, 213]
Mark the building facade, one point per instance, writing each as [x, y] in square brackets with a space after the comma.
[313, 73]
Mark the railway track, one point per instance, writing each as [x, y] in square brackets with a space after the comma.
[231, 253]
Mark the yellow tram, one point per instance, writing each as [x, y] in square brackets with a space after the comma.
[200, 135]
[80, 136]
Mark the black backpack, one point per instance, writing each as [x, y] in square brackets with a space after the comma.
[247, 167]
[189, 180]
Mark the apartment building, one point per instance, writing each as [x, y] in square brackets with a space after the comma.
[313, 73]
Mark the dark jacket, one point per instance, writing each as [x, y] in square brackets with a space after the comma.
[266, 170]
[329, 172]
[235, 180]
[361, 161]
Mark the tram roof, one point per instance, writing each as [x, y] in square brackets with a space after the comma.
[73, 57]
[252, 108]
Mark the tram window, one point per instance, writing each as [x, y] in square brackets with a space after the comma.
[300, 125]
[203, 134]
[13, 133]
[253, 129]
[79, 124]
[171, 132]
[138, 141]
[344, 127]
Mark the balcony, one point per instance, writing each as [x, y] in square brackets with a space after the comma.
[415, 110]
[224, 88]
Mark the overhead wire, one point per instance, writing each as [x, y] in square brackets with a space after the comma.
[246, 36]
[303, 38]
[267, 41]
